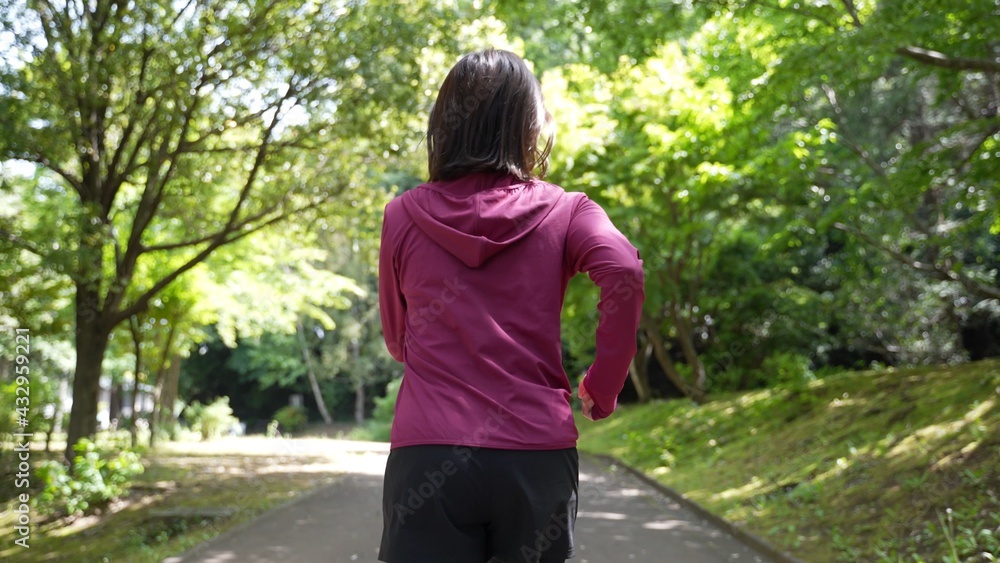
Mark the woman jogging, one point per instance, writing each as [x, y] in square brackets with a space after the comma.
[472, 273]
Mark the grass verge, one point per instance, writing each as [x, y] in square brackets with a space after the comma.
[898, 465]
[189, 493]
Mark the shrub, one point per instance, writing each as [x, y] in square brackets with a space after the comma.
[787, 368]
[97, 478]
[379, 427]
[272, 429]
[385, 407]
[291, 418]
[211, 420]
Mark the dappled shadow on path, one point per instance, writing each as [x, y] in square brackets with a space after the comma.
[339, 522]
[621, 519]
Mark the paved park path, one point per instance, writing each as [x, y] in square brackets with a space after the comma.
[621, 519]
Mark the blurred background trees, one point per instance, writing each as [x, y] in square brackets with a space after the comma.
[191, 192]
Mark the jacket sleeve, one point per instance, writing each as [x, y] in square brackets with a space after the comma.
[596, 247]
[392, 304]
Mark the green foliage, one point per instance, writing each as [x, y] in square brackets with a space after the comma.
[291, 418]
[798, 179]
[97, 477]
[600, 32]
[379, 427]
[172, 132]
[385, 406]
[212, 420]
[783, 369]
[786, 368]
[275, 360]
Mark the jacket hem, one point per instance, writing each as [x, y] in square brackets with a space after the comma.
[489, 445]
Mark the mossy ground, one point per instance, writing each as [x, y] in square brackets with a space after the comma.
[898, 465]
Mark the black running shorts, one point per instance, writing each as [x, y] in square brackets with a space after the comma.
[457, 504]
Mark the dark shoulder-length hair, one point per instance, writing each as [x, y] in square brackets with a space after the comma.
[489, 116]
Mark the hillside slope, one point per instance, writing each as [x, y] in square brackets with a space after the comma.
[862, 466]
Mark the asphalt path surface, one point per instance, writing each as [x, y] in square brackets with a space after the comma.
[620, 519]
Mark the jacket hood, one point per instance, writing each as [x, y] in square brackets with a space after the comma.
[479, 215]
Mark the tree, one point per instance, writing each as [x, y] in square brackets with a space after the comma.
[659, 174]
[179, 128]
[890, 110]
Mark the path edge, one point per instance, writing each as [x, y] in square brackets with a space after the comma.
[200, 548]
[753, 540]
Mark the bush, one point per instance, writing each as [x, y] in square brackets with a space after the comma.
[783, 369]
[787, 368]
[272, 429]
[379, 427]
[291, 418]
[97, 478]
[385, 407]
[211, 420]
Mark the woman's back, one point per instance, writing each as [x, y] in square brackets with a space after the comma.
[482, 265]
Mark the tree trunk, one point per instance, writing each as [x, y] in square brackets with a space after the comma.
[359, 385]
[359, 402]
[161, 375]
[685, 337]
[307, 357]
[91, 344]
[639, 373]
[660, 352]
[132, 431]
[155, 414]
[115, 404]
[168, 396]
[57, 415]
[137, 341]
[61, 403]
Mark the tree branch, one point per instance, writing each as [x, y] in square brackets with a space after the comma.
[259, 158]
[935, 58]
[142, 302]
[73, 181]
[299, 144]
[218, 234]
[853, 11]
[865, 157]
[800, 11]
[934, 270]
[149, 206]
[116, 177]
[21, 243]
[974, 149]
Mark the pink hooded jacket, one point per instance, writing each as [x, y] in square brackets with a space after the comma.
[472, 276]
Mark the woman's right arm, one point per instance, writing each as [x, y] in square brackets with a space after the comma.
[392, 304]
